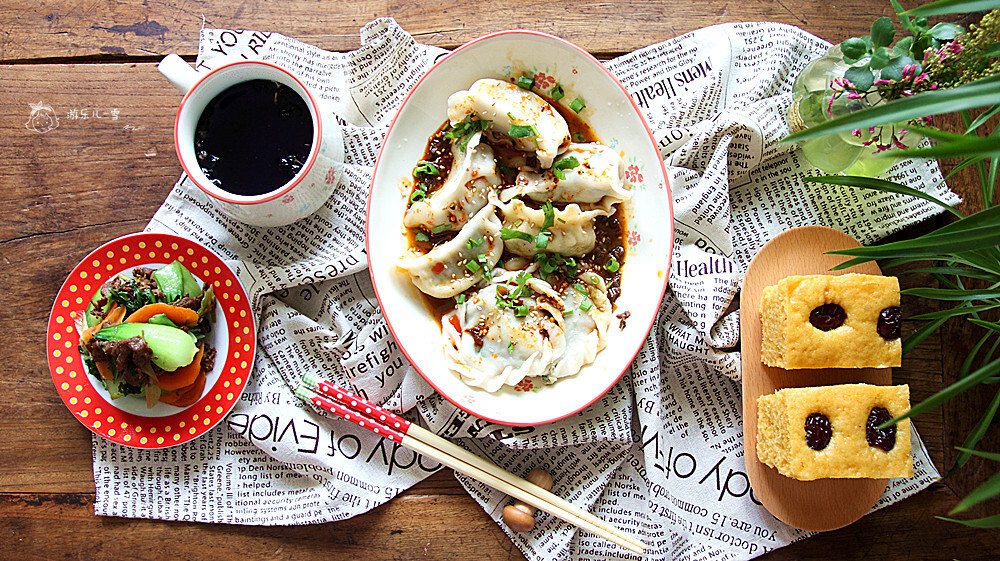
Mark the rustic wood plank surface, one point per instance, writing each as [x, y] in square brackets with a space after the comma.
[66, 192]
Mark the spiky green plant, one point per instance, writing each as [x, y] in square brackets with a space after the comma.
[964, 255]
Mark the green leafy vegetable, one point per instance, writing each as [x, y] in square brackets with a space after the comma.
[559, 168]
[522, 131]
[424, 167]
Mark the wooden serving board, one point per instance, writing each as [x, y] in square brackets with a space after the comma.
[823, 504]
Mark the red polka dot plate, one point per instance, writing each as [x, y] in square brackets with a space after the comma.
[127, 420]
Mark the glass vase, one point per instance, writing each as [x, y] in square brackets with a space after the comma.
[844, 152]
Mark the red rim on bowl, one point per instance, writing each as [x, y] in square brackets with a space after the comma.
[228, 377]
[663, 173]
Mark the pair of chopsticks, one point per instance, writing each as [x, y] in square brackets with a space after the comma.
[330, 397]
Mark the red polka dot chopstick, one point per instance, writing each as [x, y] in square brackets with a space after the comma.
[328, 396]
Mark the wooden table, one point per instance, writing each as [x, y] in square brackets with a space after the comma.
[110, 163]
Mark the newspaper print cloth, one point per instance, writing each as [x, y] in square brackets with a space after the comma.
[660, 455]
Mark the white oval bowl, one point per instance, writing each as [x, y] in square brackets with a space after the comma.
[616, 119]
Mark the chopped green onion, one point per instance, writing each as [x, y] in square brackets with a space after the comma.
[586, 305]
[466, 128]
[570, 267]
[423, 237]
[559, 168]
[521, 310]
[508, 234]
[522, 131]
[440, 228]
[510, 348]
[425, 168]
[579, 288]
[472, 266]
[416, 196]
[577, 137]
[472, 243]
[460, 299]
[525, 82]
[557, 92]
[506, 170]
[612, 264]
[487, 274]
[550, 215]
[577, 105]
[567, 312]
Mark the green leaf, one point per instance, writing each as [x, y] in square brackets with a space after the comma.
[981, 93]
[989, 489]
[883, 32]
[893, 70]
[945, 31]
[902, 47]
[509, 234]
[559, 168]
[961, 386]
[933, 244]
[952, 7]
[919, 335]
[978, 431]
[994, 327]
[986, 455]
[860, 77]
[991, 51]
[967, 145]
[952, 294]
[984, 522]
[880, 58]
[904, 20]
[880, 185]
[958, 271]
[956, 311]
[854, 48]
[521, 131]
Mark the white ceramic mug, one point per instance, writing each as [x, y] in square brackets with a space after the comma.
[298, 198]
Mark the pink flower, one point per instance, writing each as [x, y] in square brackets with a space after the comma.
[543, 81]
[633, 238]
[330, 177]
[524, 385]
[288, 199]
[633, 174]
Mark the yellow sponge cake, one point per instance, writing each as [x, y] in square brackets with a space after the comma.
[831, 431]
[828, 321]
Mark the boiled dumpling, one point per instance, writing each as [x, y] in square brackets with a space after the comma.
[473, 173]
[571, 230]
[597, 177]
[456, 265]
[586, 328]
[507, 105]
[494, 339]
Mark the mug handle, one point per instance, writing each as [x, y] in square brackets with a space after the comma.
[178, 72]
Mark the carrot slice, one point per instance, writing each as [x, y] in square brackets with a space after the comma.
[181, 316]
[183, 376]
[114, 317]
[104, 369]
[187, 395]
